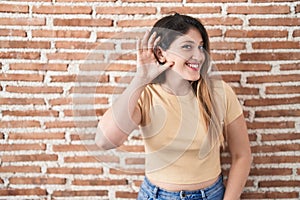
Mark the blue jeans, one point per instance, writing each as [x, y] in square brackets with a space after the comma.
[148, 191]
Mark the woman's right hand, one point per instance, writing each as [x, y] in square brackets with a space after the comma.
[147, 66]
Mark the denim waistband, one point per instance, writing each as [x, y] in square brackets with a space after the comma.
[201, 193]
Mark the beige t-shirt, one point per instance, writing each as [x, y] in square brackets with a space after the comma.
[174, 131]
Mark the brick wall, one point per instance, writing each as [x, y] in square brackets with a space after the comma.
[62, 62]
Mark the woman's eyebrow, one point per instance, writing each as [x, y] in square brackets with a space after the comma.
[193, 42]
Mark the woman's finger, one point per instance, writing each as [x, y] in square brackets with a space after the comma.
[151, 41]
[144, 44]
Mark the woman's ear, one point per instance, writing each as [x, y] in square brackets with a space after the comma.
[160, 55]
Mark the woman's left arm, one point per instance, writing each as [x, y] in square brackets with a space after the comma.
[239, 147]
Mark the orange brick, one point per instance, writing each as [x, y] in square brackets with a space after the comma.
[80, 78]
[246, 91]
[37, 181]
[222, 56]
[83, 22]
[100, 182]
[119, 35]
[125, 79]
[18, 169]
[275, 148]
[98, 90]
[135, 161]
[131, 148]
[32, 90]
[126, 194]
[275, 159]
[80, 193]
[191, 10]
[36, 136]
[269, 56]
[289, 67]
[214, 1]
[85, 112]
[270, 125]
[13, 8]
[77, 101]
[25, 44]
[231, 78]
[276, 45]
[214, 32]
[27, 158]
[272, 101]
[128, 10]
[296, 33]
[19, 147]
[256, 33]
[86, 45]
[53, 9]
[92, 159]
[279, 136]
[143, 1]
[85, 1]
[136, 23]
[39, 66]
[107, 67]
[22, 192]
[297, 8]
[41, 113]
[20, 55]
[270, 171]
[270, 195]
[21, 77]
[226, 21]
[278, 183]
[74, 170]
[282, 90]
[19, 124]
[73, 147]
[273, 78]
[277, 113]
[258, 9]
[275, 22]
[227, 45]
[272, 1]
[9, 32]
[129, 171]
[70, 124]
[61, 33]
[75, 56]
[244, 67]
[23, 21]
[21, 101]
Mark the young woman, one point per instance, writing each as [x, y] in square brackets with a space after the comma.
[185, 116]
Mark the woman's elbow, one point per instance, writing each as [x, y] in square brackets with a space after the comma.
[102, 141]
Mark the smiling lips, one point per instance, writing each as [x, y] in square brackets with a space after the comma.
[193, 66]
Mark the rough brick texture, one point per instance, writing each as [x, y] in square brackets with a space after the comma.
[63, 62]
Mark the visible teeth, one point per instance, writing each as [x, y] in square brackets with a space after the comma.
[193, 65]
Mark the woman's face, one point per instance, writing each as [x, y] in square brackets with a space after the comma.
[187, 53]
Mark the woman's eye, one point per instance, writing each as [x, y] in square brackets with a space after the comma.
[187, 46]
[201, 48]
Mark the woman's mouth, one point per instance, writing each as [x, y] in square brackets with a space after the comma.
[193, 66]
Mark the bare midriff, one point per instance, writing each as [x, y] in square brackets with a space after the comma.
[187, 187]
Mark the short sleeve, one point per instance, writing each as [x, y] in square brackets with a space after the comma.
[233, 106]
[144, 106]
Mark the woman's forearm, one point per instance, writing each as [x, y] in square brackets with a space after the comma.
[118, 121]
[237, 177]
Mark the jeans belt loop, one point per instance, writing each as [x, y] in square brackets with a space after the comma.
[203, 194]
[155, 192]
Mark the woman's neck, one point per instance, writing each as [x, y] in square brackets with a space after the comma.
[175, 84]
